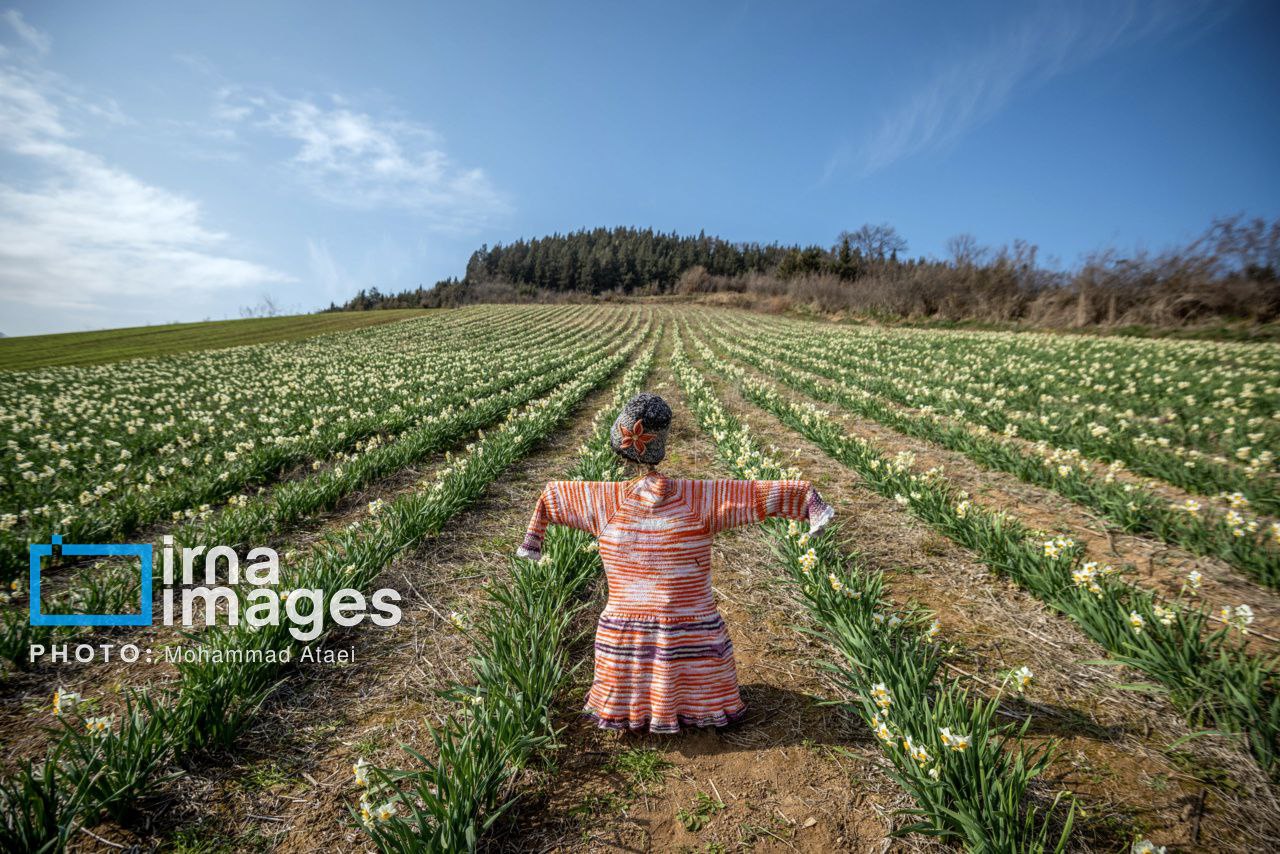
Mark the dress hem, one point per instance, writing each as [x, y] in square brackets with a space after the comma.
[719, 719]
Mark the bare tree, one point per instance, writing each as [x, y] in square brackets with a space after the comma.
[1248, 246]
[965, 250]
[877, 242]
[266, 307]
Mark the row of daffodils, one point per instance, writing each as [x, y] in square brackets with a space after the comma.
[970, 778]
[96, 453]
[104, 588]
[1208, 673]
[521, 635]
[100, 764]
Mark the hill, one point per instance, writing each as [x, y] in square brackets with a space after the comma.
[111, 345]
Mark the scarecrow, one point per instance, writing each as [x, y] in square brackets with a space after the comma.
[663, 657]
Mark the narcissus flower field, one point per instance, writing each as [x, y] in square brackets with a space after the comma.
[1047, 618]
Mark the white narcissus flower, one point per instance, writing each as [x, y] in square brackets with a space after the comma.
[1238, 617]
[1022, 677]
[915, 751]
[1085, 576]
[955, 741]
[100, 726]
[64, 701]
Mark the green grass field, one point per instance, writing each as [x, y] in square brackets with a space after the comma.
[111, 345]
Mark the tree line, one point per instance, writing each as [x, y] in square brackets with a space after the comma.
[626, 260]
[1230, 272]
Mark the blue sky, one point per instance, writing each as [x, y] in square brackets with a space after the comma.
[161, 162]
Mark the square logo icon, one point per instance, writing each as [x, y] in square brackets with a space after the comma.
[142, 551]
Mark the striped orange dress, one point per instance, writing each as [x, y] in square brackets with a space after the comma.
[663, 658]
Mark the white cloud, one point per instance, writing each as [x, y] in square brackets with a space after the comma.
[80, 234]
[353, 159]
[1054, 39]
[35, 39]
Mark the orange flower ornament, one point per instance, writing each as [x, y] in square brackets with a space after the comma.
[635, 437]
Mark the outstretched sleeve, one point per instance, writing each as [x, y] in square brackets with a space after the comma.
[575, 503]
[742, 502]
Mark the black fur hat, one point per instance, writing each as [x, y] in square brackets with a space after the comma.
[640, 431]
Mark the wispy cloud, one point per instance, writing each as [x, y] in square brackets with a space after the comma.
[1054, 38]
[78, 233]
[36, 40]
[352, 158]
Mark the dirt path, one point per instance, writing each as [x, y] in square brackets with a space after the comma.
[793, 776]
[1113, 741]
